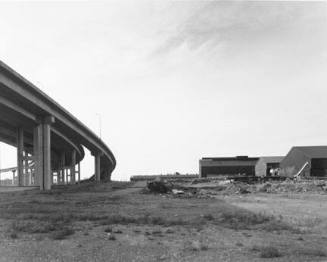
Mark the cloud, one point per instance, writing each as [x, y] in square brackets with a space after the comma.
[238, 22]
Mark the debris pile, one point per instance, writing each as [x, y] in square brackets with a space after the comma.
[294, 186]
[207, 189]
[159, 186]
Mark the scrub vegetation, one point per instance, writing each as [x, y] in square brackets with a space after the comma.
[158, 226]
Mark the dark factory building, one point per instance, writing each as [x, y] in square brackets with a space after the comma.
[213, 166]
[308, 160]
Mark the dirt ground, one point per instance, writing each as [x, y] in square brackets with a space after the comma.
[119, 222]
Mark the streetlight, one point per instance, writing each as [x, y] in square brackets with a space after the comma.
[99, 116]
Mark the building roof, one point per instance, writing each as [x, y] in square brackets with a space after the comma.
[272, 159]
[238, 158]
[313, 151]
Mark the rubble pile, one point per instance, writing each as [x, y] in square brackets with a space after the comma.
[205, 189]
[158, 186]
[294, 186]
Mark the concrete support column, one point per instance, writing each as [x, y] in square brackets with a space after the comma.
[97, 163]
[20, 159]
[47, 156]
[52, 178]
[72, 168]
[13, 177]
[79, 172]
[30, 178]
[38, 155]
[42, 152]
[62, 167]
[26, 173]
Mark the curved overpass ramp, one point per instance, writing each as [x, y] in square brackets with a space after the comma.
[48, 138]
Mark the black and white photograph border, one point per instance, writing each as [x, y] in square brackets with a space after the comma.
[163, 131]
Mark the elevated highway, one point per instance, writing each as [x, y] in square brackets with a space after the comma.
[50, 141]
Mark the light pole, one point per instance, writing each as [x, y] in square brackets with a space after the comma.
[99, 116]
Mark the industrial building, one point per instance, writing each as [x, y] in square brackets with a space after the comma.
[307, 160]
[213, 166]
[300, 160]
[239, 165]
[268, 165]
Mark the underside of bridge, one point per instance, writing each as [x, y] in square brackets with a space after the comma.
[48, 138]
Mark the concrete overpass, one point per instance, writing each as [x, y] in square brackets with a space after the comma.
[48, 138]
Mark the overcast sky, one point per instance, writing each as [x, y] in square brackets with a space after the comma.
[177, 81]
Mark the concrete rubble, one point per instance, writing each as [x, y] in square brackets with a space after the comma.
[205, 188]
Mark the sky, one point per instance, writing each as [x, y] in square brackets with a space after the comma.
[175, 81]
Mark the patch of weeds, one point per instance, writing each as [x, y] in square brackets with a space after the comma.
[270, 252]
[255, 248]
[39, 238]
[90, 217]
[108, 230]
[164, 205]
[62, 234]
[13, 235]
[312, 252]
[242, 219]
[170, 231]
[278, 225]
[199, 228]
[208, 217]
[246, 234]
[204, 247]
[267, 251]
[142, 220]
[33, 226]
[198, 246]
[112, 237]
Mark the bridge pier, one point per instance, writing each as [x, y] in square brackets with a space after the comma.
[13, 177]
[79, 172]
[62, 167]
[42, 153]
[97, 162]
[73, 168]
[20, 152]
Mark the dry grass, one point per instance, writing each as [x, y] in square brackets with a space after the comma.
[56, 229]
[62, 233]
[42, 213]
[312, 252]
[243, 219]
[197, 227]
[33, 226]
[267, 251]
